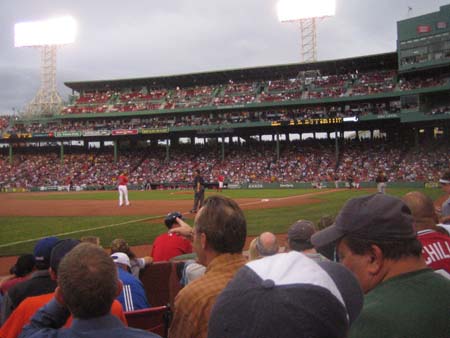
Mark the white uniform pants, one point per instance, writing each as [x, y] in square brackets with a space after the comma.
[381, 187]
[123, 194]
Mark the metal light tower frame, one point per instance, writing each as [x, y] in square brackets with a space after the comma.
[47, 100]
[46, 36]
[308, 40]
[306, 15]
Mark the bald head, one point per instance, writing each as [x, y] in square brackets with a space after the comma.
[267, 244]
[422, 209]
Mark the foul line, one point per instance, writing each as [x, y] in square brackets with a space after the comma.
[150, 218]
[81, 230]
[289, 197]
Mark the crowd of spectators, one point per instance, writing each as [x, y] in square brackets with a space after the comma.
[441, 109]
[4, 122]
[253, 162]
[417, 83]
[202, 119]
[242, 93]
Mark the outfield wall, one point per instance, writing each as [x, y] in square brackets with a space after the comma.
[213, 186]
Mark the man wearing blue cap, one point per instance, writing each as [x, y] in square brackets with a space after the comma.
[28, 307]
[87, 287]
[39, 283]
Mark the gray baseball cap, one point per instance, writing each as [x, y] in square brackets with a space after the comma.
[373, 217]
[301, 230]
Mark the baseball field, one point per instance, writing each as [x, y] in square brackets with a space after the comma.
[26, 217]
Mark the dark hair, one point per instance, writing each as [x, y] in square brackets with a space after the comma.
[121, 245]
[446, 176]
[223, 223]
[24, 265]
[394, 249]
[87, 277]
[300, 245]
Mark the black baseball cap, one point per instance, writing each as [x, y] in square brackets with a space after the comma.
[61, 248]
[24, 265]
[445, 179]
[373, 217]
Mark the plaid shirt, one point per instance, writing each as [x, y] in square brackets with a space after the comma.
[193, 303]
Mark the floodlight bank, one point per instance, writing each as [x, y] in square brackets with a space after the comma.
[294, 10]
[57, 31]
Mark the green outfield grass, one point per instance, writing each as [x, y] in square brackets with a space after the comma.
[165, 194]
[19, 234]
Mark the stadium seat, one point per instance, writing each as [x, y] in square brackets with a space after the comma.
[155, 319]
[156, 280]
[174, 281]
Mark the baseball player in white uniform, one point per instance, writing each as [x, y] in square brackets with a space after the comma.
[123, 190]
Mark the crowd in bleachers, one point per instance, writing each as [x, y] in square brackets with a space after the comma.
[4, 122]
[199, 119]
[241, 93]
[422, 83]
[441, 109]
[248, 163]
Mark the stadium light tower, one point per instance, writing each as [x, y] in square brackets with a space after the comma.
[306, 13]
[47, 36]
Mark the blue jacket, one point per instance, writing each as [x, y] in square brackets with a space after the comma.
[47, 323]
[133, 294]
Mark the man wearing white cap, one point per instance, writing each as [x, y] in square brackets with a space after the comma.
[133, 295]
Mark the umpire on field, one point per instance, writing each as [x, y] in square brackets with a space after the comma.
[199, 191]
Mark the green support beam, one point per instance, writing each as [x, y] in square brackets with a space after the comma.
[10, 153]
[278, 146]
[167, 150]
[336, 144]
[115, 151]
[223, 149]
[62, 152]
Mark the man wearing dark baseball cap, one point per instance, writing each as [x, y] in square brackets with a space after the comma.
[287, 295]
[39, 283]
[299, 239]
[375, 239]
[169, 245]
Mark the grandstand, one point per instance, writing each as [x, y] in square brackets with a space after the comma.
[261, 126]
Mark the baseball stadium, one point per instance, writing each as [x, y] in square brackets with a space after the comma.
[289, 141]
[283, 136]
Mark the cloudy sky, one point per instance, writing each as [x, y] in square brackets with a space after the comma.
[142, 38]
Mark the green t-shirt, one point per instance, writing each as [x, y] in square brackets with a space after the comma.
[412, 305]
